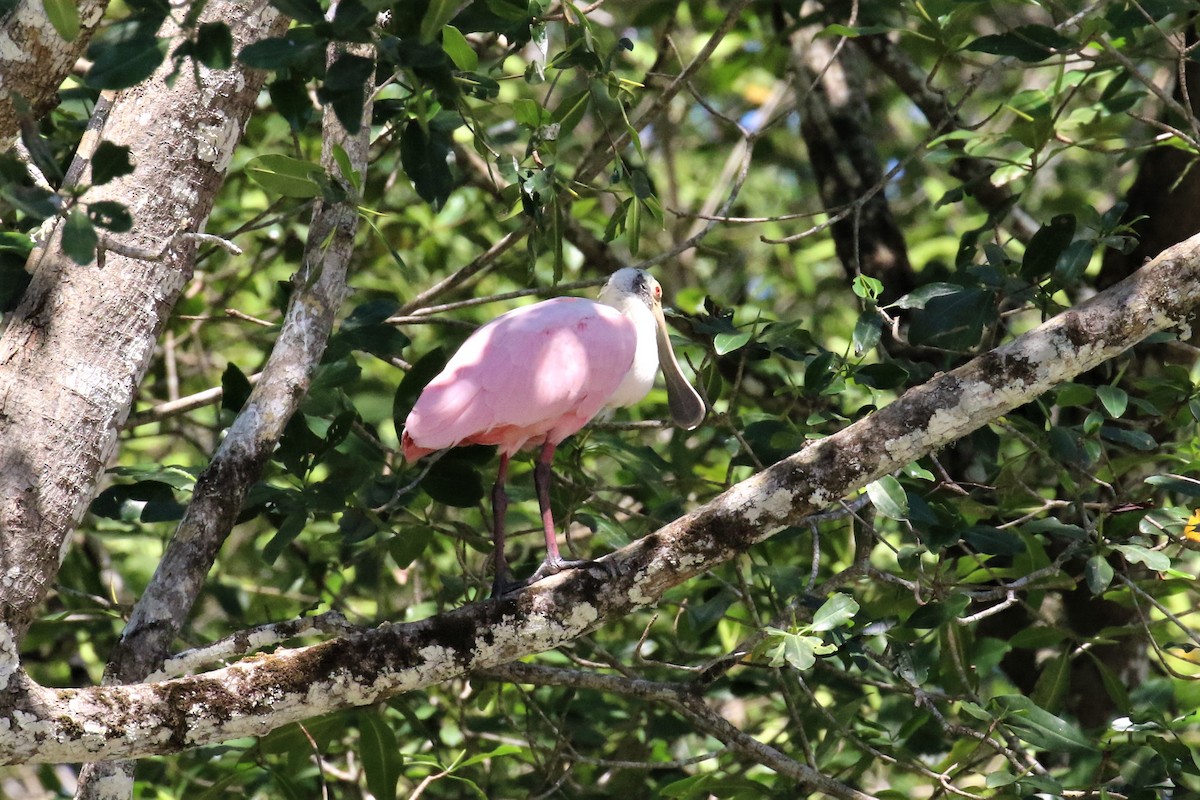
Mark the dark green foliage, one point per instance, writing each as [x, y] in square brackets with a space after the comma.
[126, 54]
[967, 620]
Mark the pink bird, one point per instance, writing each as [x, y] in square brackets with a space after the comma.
[536, 375]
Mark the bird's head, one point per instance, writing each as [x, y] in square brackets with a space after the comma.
[687, 409]
[631, 282]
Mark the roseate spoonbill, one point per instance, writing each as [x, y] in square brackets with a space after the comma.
[536, 375]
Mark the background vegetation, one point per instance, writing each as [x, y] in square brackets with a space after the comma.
[841, 200]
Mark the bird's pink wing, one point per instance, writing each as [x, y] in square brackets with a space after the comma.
[536, 373]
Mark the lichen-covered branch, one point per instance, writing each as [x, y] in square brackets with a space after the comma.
[263, 693]
[319, 287]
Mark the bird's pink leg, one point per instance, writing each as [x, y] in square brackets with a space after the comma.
[541, 480]
[503, 580]
[554, 562]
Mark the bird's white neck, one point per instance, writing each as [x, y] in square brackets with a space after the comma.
[640, 378]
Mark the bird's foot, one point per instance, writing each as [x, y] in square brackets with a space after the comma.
[553, 566]
[504, 584]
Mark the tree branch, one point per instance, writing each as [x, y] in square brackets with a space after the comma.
[35, 59]
[263, 693]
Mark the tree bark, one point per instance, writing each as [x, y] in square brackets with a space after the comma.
[319, 287]
[259, 694]
[34, 59]
[83, 336]
[838, 132]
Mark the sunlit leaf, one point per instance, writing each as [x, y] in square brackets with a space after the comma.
[459, 49]
[838, 610]
[64, 16]
[285, 176]
[888, 497]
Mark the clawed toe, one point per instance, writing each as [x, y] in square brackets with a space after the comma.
[553, 566]
[504, 584]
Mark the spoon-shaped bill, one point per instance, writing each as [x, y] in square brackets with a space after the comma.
[687, 409]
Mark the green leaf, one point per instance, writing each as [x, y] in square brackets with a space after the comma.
[498, 752]
[1181, 484]
[291, 527]
[437, 14]
[285, 176]
[994, 541]
[305, 11]
[1138, 440]
[1040, 728]
[423, 371]
[725, 343]
[1098, 573]
[1029, 43]
[1073, 394]
[345, 89]
[79, 238]
[145, 501]
[125, 57]
[527, 113]
[866, 287]
[1114, 400]
[1138, 554]
[64, 16]
[408, 545]
[32, 200]
[1046, 246]
[423, 155]
[110, 161]
[867, 332]
[921, 297]
[835, 612]
[888, 375]
[954, 321]
[110, 215]
[235, 388]
[1053, 682]
[818, 374]
[380, 754]
[1054, 527]
[459, 49]
[346, 169]
[214, 45]
[291, 99]
[934, 614]
[794, 649]
[888, 497]
[298, 50]
[1073, 262]
[571, 110]
[454, 482]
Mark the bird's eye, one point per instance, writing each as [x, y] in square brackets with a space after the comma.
[657, 292]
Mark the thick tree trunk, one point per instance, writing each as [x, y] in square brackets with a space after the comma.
[83, 336]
